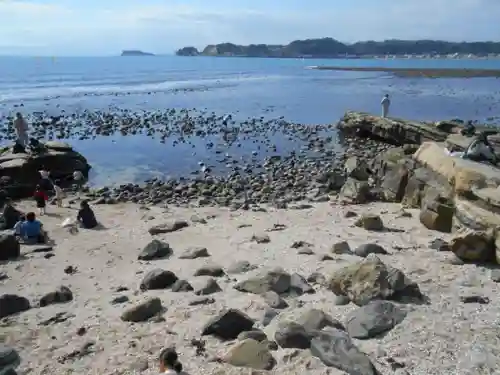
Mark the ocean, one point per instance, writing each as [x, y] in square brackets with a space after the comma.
[243, 87]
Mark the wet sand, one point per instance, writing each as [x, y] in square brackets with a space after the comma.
[420, 72]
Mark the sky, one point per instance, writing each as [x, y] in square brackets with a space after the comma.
[105, 27]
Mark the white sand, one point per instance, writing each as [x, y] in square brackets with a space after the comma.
[446, 337]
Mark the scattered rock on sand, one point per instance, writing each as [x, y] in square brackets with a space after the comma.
[274, 300]
[437, 214]
[194, 253]
[292, 335]
[254, 334]
[335, 349]
[181, 286]
[315, 320]
[370, 222]
[169, 227]
[261, 238]
[209, 286]
[228, 325]
[373, 319]
[210, 270]
[9, 247]
[341, 247]
[158, 279]
[143, 311]
[276, 280]
[156, 249]
[9, 360]
[61, 295]
[369, 248]
[473, 246]
[371, 279]
[269, 315]
[239, 267]
[356, 192]
[250, 353]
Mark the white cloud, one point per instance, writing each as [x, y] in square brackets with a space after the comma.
[105, 27]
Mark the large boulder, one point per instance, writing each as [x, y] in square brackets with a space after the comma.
[390, 130]
[370, 279]
[143, 311]
[228, 325]
[355, 191]
[251, 354]
[11, 304]
[437, 214]
[9, 247]
[22, 169]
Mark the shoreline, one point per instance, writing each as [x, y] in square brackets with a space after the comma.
[419, 72]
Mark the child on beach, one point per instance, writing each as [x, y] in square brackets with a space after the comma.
[169, 363]
[59, 194]
[41, 199]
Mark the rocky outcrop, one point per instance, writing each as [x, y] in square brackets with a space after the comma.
[394, 131]
[20, 171]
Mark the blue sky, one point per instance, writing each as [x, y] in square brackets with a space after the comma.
[105, 27]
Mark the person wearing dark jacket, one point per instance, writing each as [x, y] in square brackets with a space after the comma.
[86, 216]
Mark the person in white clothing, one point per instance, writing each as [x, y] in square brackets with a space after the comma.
[21, 128]
[59, 193]
[386, 103]
[169, 363]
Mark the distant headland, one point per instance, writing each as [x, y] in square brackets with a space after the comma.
[332, 48]
[134, 52]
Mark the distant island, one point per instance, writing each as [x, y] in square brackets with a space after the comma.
[332, 48]
[134, 52]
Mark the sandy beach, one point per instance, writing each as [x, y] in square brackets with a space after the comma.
[446, 336]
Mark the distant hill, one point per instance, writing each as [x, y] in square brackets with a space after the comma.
[134, 52]
[331, 48]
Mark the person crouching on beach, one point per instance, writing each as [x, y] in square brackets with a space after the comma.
[386, 103]
[169, 363]
[41, 199]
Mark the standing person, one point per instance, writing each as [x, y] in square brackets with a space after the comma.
[21, 127]
[78, 180]
[41, 199]
[59, 193]
[386, 103]
[45, 182]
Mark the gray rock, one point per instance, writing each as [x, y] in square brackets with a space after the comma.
[119, 299]
[276, 280]
[315, 320]
[156, 249]
[228, 325]
[269, 315]
[9, 359]
[371, 279]
[143, 311]
[210, 286]
[355, 191]
[9, 247]
[240, 267]
[61, 295]
[251, 354]
[495, 275]
[158, 279]
[341, 247]
[316, 278]
[292, 335]
[335, 349]
[261, 238]
[181, 286]
[210, 270]
[373, 319]
[299, 285]
[341, 300]
[11, 304]
[172, 226]
[369, 248]
[370, 222]
[255, 334]
[357, 168]
[195, 252]
[201, 301]
[274, 300]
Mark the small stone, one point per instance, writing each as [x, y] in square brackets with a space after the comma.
[269, 315]
[255, 334]
[201, 301]
[119, 299]
[168, 227]
[155, 249]
[341, 300]
[251, 354]
[261, 238]
[240, 267]
[274, 300]
[495, 275]
[370, 222]
[210, 270]
[350, 214]
[61, 295]
[210, 286]
[158, 279]
[181, 286]
[369, 248]
[194, 253]
[475, 299]
[143, 311]
[341, 247]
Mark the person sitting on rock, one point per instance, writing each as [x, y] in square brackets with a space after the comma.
[86, 216]
[481, 150]
[32, 230]
[469, 129]
[169, 363]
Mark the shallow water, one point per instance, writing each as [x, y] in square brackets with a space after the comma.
[244, 87]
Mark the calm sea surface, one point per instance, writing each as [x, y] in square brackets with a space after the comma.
[244, 87]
